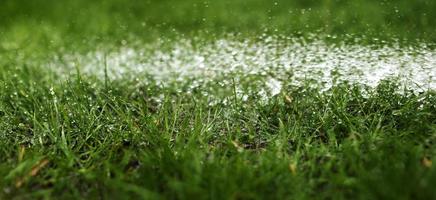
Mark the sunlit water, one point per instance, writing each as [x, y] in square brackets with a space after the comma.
[290, 61]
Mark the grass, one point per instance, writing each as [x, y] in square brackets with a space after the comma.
[90, 137]
[114, 141]
[51, 23]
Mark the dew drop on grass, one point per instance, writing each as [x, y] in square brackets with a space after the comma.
[274, 86]
[51, 91]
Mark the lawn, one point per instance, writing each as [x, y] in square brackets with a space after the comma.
[228, 99]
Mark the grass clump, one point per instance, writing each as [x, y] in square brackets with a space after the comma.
[84, 138]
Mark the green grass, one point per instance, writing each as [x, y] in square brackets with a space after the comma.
[47, 23]
[113, 140]
[88, 137]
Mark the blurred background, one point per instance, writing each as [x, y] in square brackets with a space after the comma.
[59, 22]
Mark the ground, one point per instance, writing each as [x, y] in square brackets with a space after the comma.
[222, 99]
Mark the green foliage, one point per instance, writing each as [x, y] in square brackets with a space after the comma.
[81, 137]
[71, 21]
[111, 140]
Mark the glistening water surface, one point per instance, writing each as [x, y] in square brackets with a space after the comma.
[272, 60]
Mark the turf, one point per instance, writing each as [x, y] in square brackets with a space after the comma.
[86, 136]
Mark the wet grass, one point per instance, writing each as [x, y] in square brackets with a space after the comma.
[84, 137]
[87, 136]
[51, 23]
